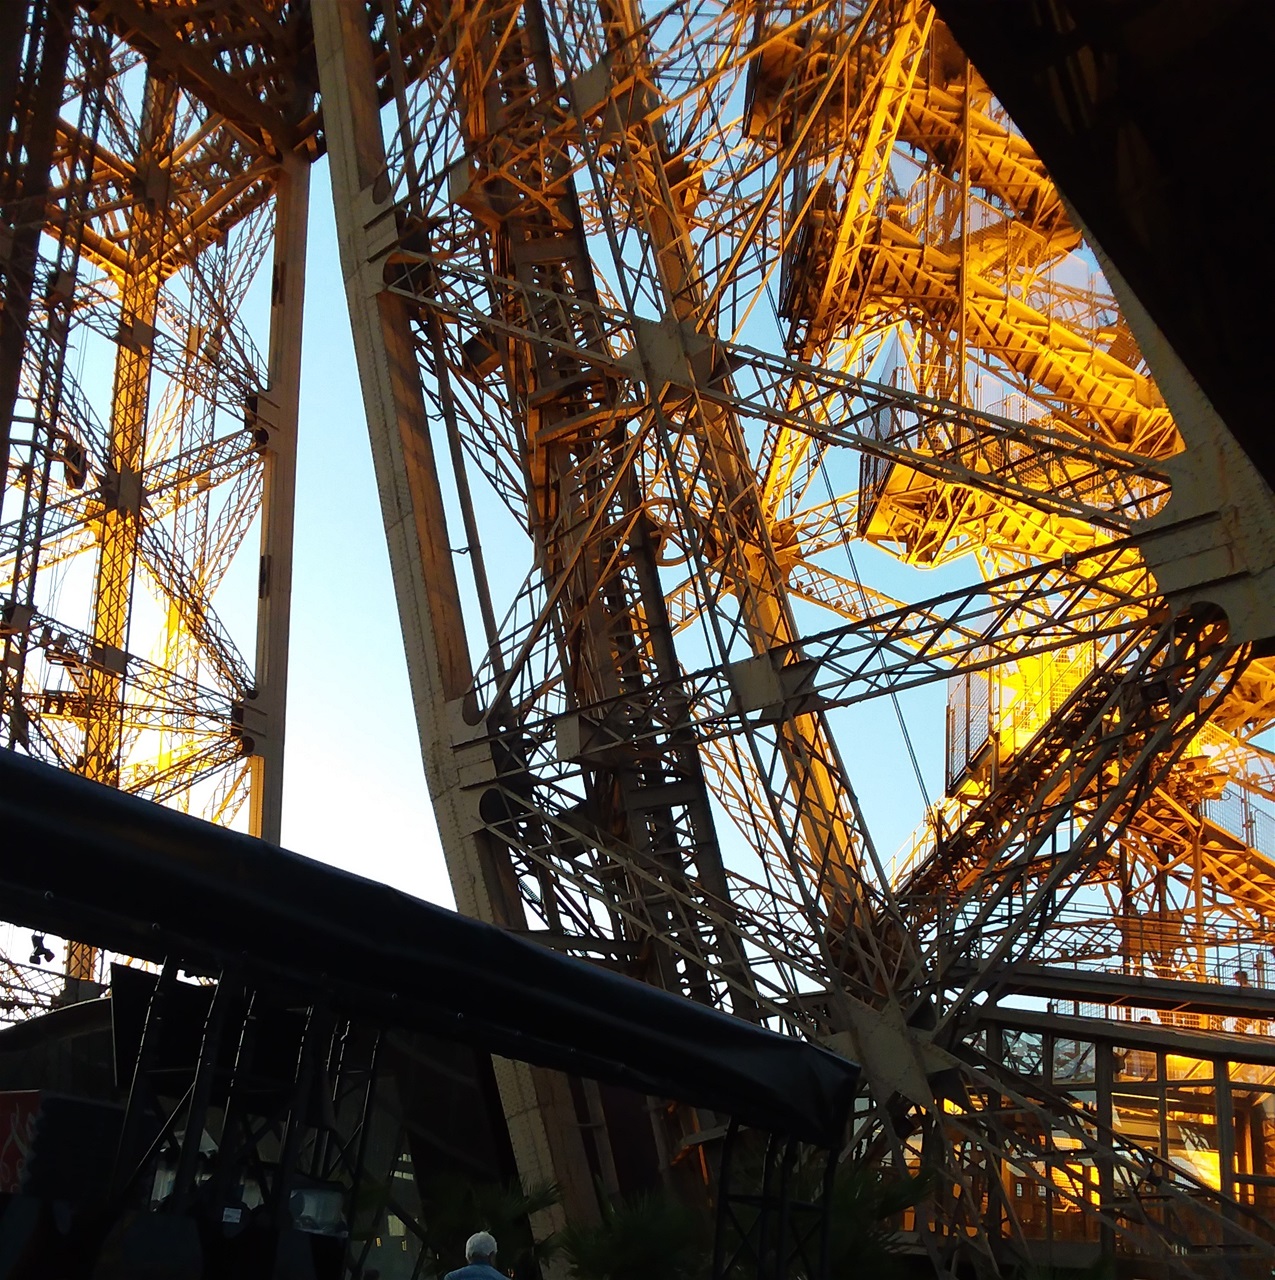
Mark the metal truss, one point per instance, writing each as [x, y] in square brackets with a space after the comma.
[661, 311]
[153, 168]
[629, 285]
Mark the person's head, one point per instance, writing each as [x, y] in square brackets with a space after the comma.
[481, 1247]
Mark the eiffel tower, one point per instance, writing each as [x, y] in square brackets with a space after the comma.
[691, 338]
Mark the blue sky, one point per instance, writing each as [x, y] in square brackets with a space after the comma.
[355, 792]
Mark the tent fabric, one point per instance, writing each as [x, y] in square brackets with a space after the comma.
[89, 862]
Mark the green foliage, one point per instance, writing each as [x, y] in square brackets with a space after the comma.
[650, 1237]
[453, 1208]
[657, 1236]
[865, 1202]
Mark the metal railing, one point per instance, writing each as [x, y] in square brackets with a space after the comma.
[27, 990]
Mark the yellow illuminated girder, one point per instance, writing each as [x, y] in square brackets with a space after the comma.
[562, 225]
[170, 163]
[121, 516]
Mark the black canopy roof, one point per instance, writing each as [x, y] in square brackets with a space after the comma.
[92, 863]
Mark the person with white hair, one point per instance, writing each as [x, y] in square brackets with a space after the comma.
[480, 1259]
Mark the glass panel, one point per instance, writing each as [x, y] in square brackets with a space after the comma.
[1252, 1073]
[1073, 1062]
[1135, 1064]
[1192, 1133]
[1073, 1176]
[1025, 1189]
[1179, 1067]
[1025, 1052]
[1254, 1132]
[1073, 1181]
[1027, 1202]
[385, 1238]
[1136, 1116]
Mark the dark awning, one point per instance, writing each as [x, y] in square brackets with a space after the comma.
[91, 863]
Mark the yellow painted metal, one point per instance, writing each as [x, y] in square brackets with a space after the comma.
[121, 516]
[129, 497]
[981, 246]
[563, 227]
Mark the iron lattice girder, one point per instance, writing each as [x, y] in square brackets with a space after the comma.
[606, 596]
[1080, 379]
[1063, 787]
[128, 429]
[163, 696]
[193, 220]
[1058, 770]
[959, 463]
[164, 485]
[1157, 701]
[242, 60]
[214, 181]
[1136, 759]
[1111, 745]
[555, 325]
[641, 385]
[1087, 599]
[1139, 1184]
[983, 290]
[1042, 467]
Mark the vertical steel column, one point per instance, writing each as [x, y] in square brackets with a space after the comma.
[120, 521]
[543, 1128]
[1104, 1078]
[30, 96]
[235, 1112]
[119, 525]
[184, 1185]
[298, 1115]
[1225, 1117]
[277, 419]
[16, 18]
[147, 1049]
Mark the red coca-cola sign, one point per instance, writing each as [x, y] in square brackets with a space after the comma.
[19, 1115]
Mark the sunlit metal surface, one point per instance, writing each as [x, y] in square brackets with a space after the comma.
[662, 314]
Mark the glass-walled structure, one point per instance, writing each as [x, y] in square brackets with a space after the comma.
[1163, 1132]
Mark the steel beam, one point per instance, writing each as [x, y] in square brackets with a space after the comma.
[276, 426]
[542, 1125]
